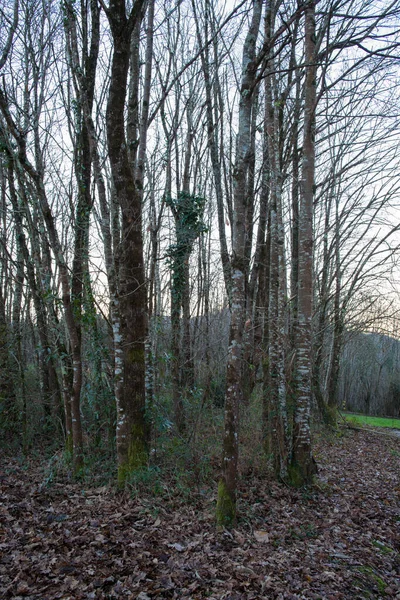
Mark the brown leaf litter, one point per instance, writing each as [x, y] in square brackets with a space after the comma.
[336, 540]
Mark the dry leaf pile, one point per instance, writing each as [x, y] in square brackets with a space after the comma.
[337, 540]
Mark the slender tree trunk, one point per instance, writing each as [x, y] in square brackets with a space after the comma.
[303, 465]
[205, 261]
[48, 375]
[212, 139]
[319, 336]
[176, 303]
[187, 356]
[17, 309]
[37, 177]
[259, 277]
[248, 370]
[188, 214]
[338, 326]
[227, 488]
[109, 216]
[278, 419]
[264, 298]
[187, 366]
[151, 342]
[8, 400]
[139, 179]
[294, 271]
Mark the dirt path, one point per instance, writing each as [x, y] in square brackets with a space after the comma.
[338, 540]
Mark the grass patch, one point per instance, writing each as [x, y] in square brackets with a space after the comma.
[382, 547]
[373, 579]
[372, 421]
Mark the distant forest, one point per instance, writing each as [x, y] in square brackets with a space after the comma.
[370, 375]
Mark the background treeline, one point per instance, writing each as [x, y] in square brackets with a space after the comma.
[369, 380]
[199, 208]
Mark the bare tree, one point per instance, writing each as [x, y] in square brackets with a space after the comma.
[302, 465]
[226, 503]
[130, 364]
[38, 52]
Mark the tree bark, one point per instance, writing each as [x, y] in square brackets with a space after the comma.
[302, 465]
[212, 141]
[131, 432]
[278, 419]
[227, 488]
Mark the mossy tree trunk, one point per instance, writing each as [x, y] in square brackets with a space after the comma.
[131, 433]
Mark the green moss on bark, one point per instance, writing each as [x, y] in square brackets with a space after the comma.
[137, 455]
[136, 355]
[295, 476]
[299, 476]
[226, 506]
[69, 446]
[330, 416]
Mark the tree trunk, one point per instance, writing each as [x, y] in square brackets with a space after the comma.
[338, 325]
[48, 376]
[8, 400]
[212, 140]
[227, 488]
[130, 331]
[248, 370]
[278, 419]
[36, 173]
[319, 336]
[188, 215]
[302, 465]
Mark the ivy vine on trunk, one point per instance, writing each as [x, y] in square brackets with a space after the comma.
[188, 213]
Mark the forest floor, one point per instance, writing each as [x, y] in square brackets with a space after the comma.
[336, 540]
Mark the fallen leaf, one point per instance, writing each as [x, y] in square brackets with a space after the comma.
[261, 536]
[177, 547]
